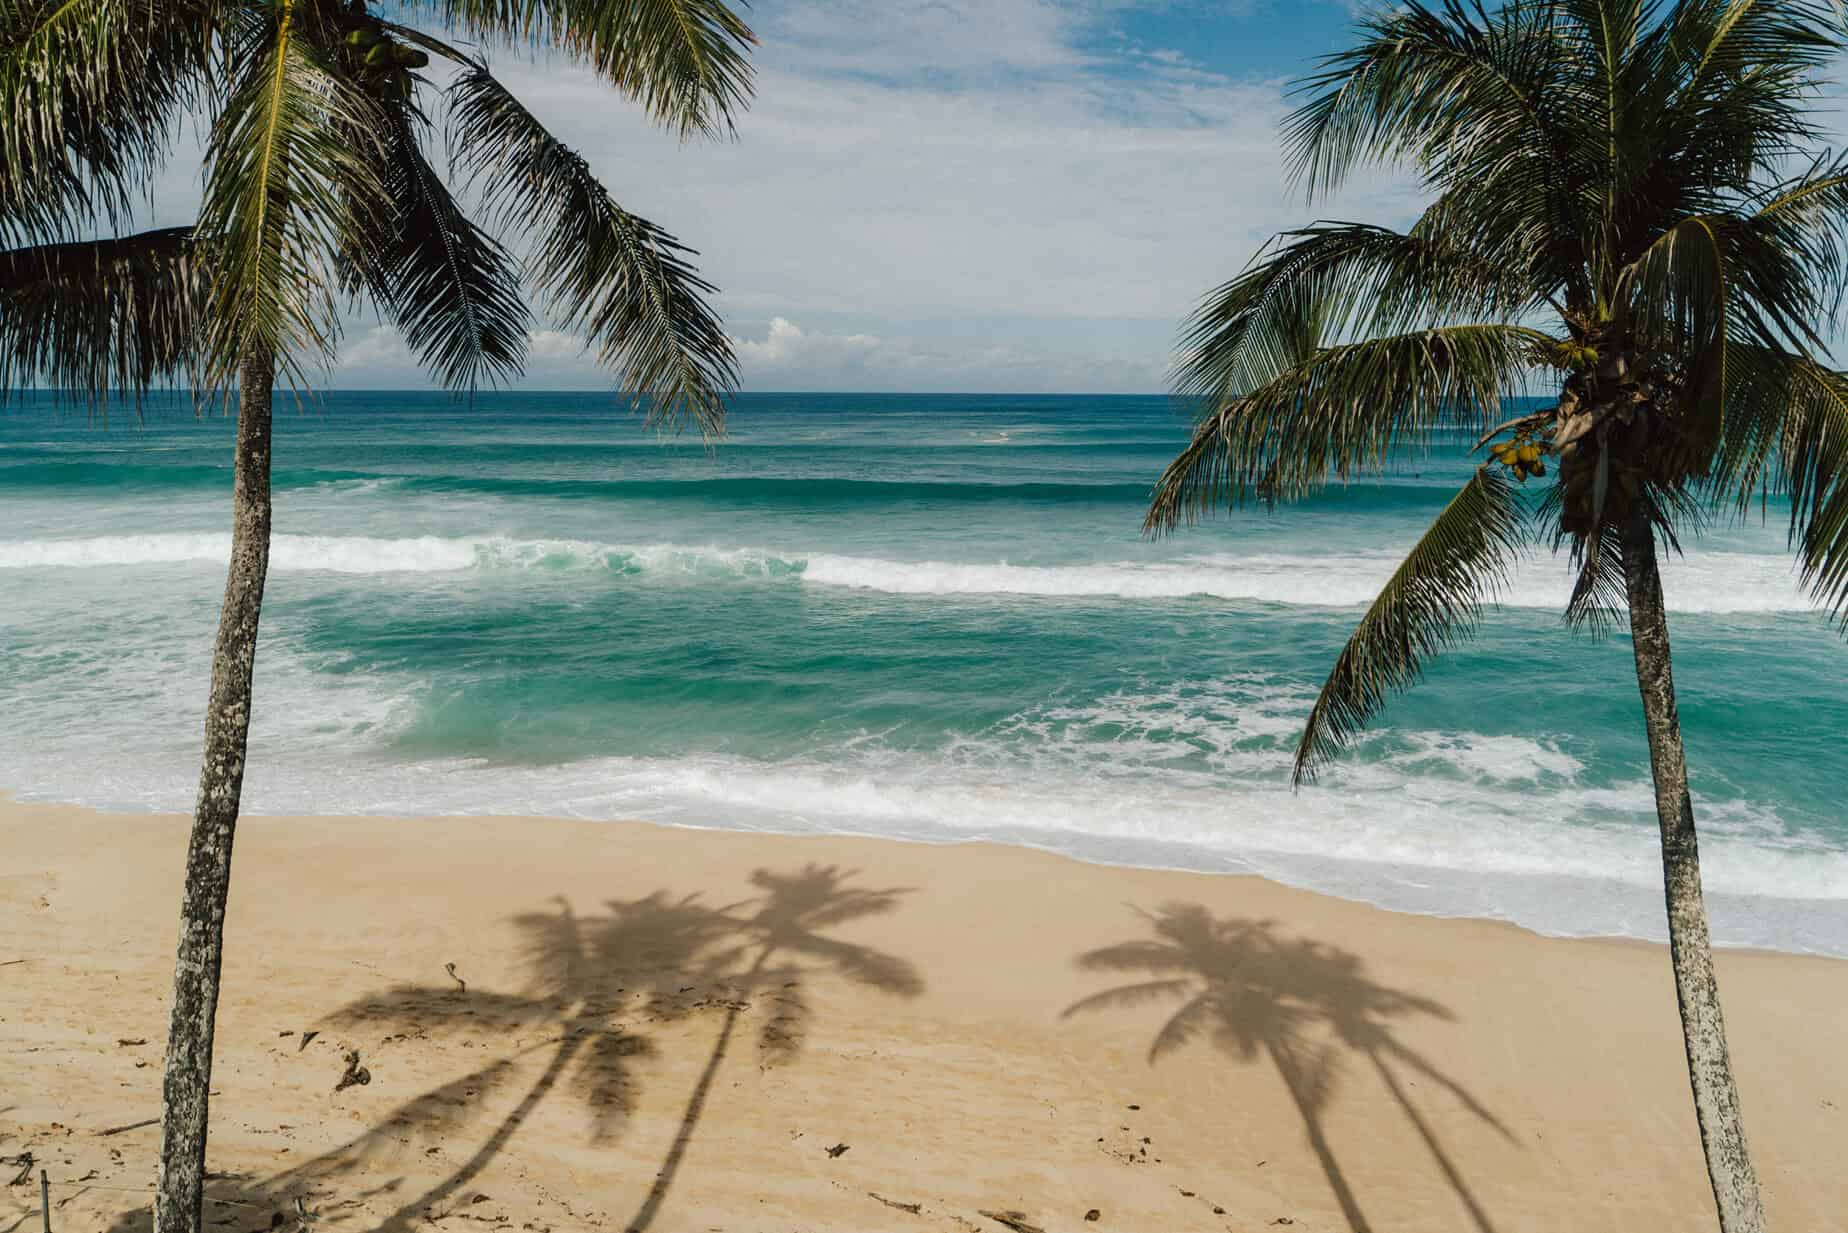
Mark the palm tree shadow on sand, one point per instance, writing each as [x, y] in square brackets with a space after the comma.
[780, 944]
[1298, 1002]
[655, 959]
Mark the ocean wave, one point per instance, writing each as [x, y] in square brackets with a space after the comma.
[333, 554]
[1191, 774]
[1712, 582]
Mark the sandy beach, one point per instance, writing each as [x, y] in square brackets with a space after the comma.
[698, 1030]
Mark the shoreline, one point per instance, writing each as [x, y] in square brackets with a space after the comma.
[974, 1023]
[1362, 882]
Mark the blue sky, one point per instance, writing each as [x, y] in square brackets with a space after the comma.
[992, 195]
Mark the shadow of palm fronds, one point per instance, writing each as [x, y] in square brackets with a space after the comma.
[593, 986]
[782, 943]
[1303, 1004]
[585, 979]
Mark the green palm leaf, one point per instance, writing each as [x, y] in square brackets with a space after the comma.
[452, 290]
[288, 182]
[1344, 408]
[1320, 282]
[1432, 84]
[607, 274]
[92, 92]
[684, 60]
[1788, 434]
[96, 315]
[1432, 599]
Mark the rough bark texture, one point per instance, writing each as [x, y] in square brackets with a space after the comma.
[187, 1080]
[1716, 1099]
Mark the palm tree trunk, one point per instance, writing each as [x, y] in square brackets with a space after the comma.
[1716, 1099]
[187, 1080]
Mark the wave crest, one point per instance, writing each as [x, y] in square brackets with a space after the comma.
[1715, 582]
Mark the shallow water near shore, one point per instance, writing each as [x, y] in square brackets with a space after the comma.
[922, 616]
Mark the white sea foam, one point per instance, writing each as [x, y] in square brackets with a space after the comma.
[1718, 582]
[1709, 582]
[1448, 848]
[337, 554]
[1192, 775]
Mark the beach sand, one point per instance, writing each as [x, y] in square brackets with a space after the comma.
[701, 1030]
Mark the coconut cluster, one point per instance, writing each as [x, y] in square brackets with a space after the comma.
[381, 60]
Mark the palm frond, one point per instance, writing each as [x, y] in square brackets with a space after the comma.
[1344, 409]
[89, 317]
[1722, 97]
[1431, 83]
[1491, 107]
[1598, 593]
[683, 60]
[92, 91]
[607, 274]
[452, 290]
[286, 181]
[1717, 43]
[1788, 433]
[1315, 284]
[1803, 222]
[1432, 599]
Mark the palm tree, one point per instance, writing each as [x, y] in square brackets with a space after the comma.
[1630, 205]
[319, 187]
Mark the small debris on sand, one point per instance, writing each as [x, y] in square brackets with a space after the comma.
[1016, 1221]
[306, 1037]
[356, 1075]
[1094, 1215]
[127, 1041]
[838, 1150]
[912, 1208]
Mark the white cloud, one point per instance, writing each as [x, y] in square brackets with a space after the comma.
[378, 349]
[907, 168]
[965, 183]
[791, 358]
[786, 346]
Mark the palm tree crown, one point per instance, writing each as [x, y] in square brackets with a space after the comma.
[1630, 206]
[321, 186]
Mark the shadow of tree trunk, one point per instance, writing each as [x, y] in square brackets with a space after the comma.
[1431, 1141]
[689, 1121]
[1308, 1089]
[405, 1218]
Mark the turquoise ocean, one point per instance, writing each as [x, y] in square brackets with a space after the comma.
[923, 616]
